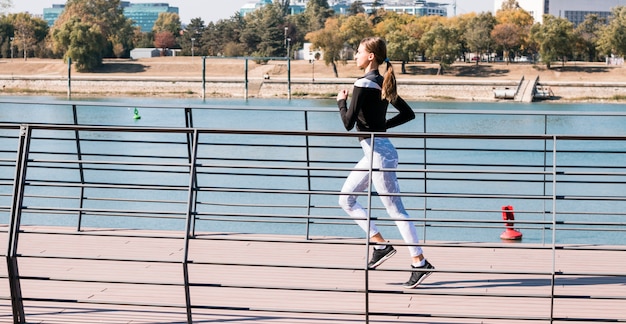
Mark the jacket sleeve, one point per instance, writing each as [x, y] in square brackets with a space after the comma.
[349, 115]
[405, 113]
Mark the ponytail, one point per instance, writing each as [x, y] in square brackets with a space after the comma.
[389, 91]
[378, 47]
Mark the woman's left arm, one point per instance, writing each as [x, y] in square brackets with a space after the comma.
[405, 113]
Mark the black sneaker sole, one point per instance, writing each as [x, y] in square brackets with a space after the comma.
[418, 282]
[387, 256]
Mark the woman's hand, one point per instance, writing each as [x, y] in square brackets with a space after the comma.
[342, 95]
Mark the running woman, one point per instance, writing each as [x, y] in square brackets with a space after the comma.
[371, 96]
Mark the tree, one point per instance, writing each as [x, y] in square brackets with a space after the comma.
[191, 36]
[84, 42]
[25, 33]
[356, 8]
[223, 37]
[264, 35]
[164, 40]
[613, 37]
[355, 28]
[329, 41]
[587, 35]
[442, 42]
[400, 32]
[167, 21]
[107, 24]
[512, 29]
[554, 39]
[317, 11]
[507, 37]
[478, 34]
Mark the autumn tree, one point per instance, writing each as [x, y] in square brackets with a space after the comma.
[164, 40]
[554, 39]
[329, 41]
[512, 29]
[167, 21]
[613, 37]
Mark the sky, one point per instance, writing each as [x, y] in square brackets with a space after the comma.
[214, 10]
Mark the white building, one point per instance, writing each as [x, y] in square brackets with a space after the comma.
[572, 10]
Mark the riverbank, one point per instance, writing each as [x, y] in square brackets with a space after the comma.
[182, 77]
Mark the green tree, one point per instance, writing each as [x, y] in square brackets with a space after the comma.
[6, 33]
[28, 32]
[554, 39]
[355, 28]
[356, 8]
[587, 35]
[399, 31]
[194, 31]
[613, 37]
[442, 42]
[84, 42]
[223, 37]
[317, 11]
[264, 35]
[477, 34]
[107, 24]
[329, 41]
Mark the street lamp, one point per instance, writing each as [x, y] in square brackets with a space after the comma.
[192, 40]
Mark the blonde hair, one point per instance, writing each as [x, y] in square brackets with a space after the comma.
[378, 47]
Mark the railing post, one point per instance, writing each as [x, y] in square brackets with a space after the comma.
[203, 77]
[308, 175]
[81, 172]
[246, 79]
[190, 158]
[14, 224]
[189, 221]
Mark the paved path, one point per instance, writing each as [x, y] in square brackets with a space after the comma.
[137, 277]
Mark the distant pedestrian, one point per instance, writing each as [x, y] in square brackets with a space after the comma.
[371, 96]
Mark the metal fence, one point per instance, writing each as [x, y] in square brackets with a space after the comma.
[568, 192]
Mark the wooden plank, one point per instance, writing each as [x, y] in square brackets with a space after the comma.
[129, 276]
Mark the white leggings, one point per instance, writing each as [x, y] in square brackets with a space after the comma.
[385, 156]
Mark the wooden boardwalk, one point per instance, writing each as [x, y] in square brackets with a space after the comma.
[129, 276]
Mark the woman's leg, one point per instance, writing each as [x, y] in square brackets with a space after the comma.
[357, 181]
[386, 182]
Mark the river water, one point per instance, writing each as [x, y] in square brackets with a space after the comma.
[595, 119]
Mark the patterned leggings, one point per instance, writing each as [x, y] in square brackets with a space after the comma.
[385, 156]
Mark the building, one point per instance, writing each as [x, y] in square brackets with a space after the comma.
[143, 15]
[411, 7]
[572, 10]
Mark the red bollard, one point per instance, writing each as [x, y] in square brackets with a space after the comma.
[509, 233]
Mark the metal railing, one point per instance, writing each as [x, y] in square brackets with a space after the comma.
[285, 183]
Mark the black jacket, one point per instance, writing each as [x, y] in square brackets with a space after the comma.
[368, 110]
